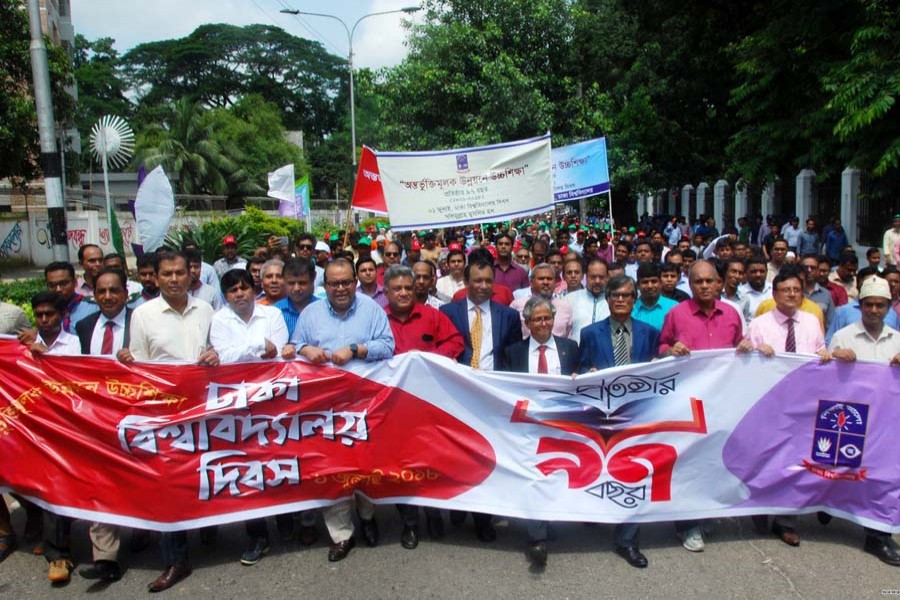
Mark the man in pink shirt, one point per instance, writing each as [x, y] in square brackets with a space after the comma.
[786, 329]
[543, 282]
[702, 323]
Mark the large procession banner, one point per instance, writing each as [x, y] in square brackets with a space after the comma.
[468, 185]
[168, 447]
[580, 170]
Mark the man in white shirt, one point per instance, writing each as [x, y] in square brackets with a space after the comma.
[454, 281]
[589, 304]
[197, 288]
[757, 289]
[174, 326]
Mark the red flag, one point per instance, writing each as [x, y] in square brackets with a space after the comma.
[367, 193]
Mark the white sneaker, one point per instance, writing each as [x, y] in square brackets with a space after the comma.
[692, 540]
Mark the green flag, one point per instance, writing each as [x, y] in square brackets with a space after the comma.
[116, 233]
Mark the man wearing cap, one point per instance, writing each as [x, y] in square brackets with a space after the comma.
[323, 253]
[871, 339]
[890, 241]
[231, 260]
[852, 311]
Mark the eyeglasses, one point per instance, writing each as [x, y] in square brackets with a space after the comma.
[620, 295]
[392, 254]
[305, 246]
[541, 319]
[345, 283]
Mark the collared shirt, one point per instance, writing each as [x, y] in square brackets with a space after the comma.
[587, 309]
[159, 332]
[428, 330]
[855, 337]
[808, 243]
[77, 309]
[223, 265]
[771, 272]
[562, 322]
[141, 298]
[688, 324]
[514, 277]
[118, 325]
[684, 285]
[889, 242]
[236, 340]
[896, 307]
[551, 354]
[486, 360]
[806, 305]
[791, 235]
[754, 298]
[289, 312]
[208, 293]
[379, 296]
[653, 315]
[363, 323]
[823, 300]
[838, 294]
[850, 313]
[208, 275]
[447, 286]
[13, 319]
[771, 328]
[739, 309]
[434, 301]
[65, 344]
[83, 288]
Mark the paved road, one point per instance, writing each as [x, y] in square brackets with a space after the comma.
[738, 563]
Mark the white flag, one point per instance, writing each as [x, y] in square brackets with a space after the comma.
[154, 208]
[281, 183]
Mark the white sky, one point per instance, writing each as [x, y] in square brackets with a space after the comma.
[377, 42]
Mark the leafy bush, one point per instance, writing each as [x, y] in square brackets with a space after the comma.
[251, 229]
[20, 292]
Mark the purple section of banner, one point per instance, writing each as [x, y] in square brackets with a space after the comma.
[823, 437]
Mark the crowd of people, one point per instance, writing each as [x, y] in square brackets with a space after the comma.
[557, 297]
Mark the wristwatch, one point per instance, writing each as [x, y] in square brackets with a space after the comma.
[354, 350]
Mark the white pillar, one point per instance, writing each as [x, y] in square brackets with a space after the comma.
[648, 199]
[767, 200]
[803, 197]
[850, 180]
[740, 200]
[686, 200]
[702, 193]
[719, 192]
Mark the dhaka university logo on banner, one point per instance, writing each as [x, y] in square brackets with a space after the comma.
[462, 163]
[839, 434]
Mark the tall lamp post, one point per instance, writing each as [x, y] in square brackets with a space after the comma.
[350, 31]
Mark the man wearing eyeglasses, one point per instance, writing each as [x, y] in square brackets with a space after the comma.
[304, 248]
[344, 327]
[390, 257]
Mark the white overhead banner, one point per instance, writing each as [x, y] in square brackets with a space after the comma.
[467, 185]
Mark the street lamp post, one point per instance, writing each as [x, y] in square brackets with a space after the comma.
[350, 31]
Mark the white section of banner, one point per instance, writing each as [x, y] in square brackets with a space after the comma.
[468, 185]
[281, 183]
[154, 208]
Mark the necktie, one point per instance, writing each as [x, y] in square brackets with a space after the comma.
[476, 338]
[107, 347]
[542, 359]
[620, 352]
[790, 344]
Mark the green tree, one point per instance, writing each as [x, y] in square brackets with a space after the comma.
[186, 147]
[19, 140]
[101, 91]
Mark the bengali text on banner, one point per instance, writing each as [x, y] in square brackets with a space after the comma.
[580, 170]
[166, 447]
[468, 185]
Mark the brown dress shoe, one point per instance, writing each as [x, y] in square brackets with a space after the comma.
[340, 550]
[172, 575]
[788, 536]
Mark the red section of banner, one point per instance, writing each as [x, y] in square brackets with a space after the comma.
[172, 445]
[367, 192]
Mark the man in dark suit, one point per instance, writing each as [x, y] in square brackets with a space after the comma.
[487, 329]
[104, 334]
[542, 352]
[615, 341]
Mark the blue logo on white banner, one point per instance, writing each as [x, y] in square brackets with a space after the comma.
[580, 170]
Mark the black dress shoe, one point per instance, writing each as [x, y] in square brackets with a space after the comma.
[486, 532]
[409, 539]
[633, 556]
[823, 517]
[537, 553]
[308, 535]
[104, 570]
[435, 524]
[172, 575]
[370, 532]
[883, 550]
[340, 550]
